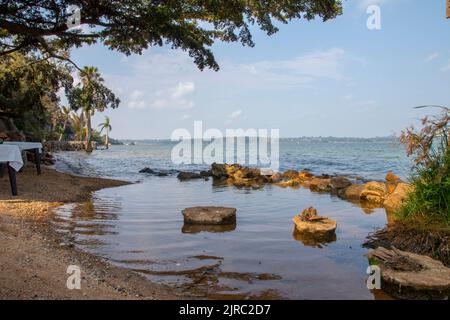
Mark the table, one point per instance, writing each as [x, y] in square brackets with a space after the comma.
[36, 147]
[12, 156]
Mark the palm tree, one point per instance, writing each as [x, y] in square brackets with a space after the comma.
[107, 126]
[66, 114]
[77, 123]
[91, 95]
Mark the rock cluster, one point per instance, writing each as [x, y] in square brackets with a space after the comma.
[390, 193]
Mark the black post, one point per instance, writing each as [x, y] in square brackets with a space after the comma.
[37, 159]
[12, 179]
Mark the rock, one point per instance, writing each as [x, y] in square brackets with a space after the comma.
[392, 178]
[305, 175]
[320, 184]
[147, 170]
[275, 178]
[291, 174]
[209, 215]
[352, 192]
[219, 171]
[411, 276]
[289, 183]
[338, 183]
[319, 226]
[206, 173]
[392, 181]
[395, 200]
[310, 223]
[189, 176]
[374, 192]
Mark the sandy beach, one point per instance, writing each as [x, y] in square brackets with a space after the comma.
[34, 259]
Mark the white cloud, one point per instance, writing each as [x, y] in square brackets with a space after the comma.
[175, 96]
[235, 114]
[182, 89]
[136, 100]
[185, 116]
[348, 96]
[446, 68]
[319, 64]
[433, 56]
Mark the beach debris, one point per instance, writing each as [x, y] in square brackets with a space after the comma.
[407, 275]
[310, 222]
[209, 215]
[395, 200]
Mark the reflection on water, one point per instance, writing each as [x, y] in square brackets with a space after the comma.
[140, 227]
[315, 241]
[192, 228]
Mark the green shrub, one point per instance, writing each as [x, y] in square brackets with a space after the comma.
[431, 172]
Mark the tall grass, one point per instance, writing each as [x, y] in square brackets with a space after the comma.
[430, 176]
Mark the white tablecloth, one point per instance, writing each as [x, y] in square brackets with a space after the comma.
[11, 154]
[25, 145]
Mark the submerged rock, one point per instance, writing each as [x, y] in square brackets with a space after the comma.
[147, 170]
[310, 223]
[411, 276]
[189, 176]
[209, 215]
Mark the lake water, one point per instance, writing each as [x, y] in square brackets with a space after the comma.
[140, 226]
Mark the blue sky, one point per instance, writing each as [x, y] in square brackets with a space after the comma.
[310, 79]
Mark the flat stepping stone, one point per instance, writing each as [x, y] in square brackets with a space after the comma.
[409, 275]
[209, 215]
[317, 225]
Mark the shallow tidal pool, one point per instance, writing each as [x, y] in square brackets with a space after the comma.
[140, 227]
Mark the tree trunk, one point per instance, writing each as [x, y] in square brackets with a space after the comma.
[107, 138]
[88, 132]
[64, 129]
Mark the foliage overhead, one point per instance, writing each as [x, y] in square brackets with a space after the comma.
[131, 26]
[91, 94]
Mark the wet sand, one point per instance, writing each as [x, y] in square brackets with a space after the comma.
[34, 259]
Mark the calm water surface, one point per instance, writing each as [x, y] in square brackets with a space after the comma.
[140, 226]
